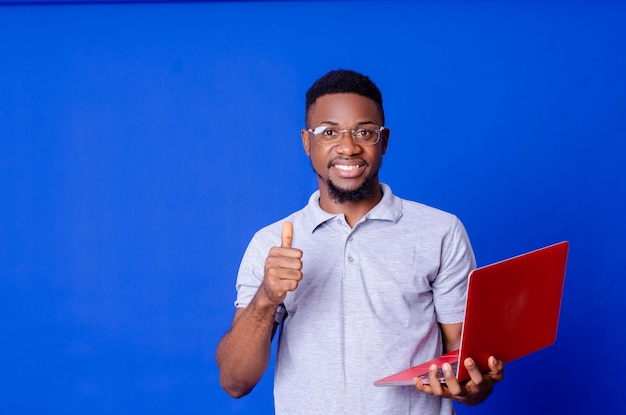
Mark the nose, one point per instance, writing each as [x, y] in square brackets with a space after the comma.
[347, 145]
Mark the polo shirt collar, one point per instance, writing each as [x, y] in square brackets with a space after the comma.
[389, 208]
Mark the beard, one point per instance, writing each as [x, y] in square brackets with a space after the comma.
[364, 191]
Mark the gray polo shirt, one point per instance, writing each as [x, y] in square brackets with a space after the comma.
[368, 305]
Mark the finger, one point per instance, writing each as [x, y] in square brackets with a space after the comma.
[420, 385]
[282, 286]
[433, 380]
[284, 273]
[473, 371]
[277, 252]
[451, 381]
[287, 235]
[496, 369]
[277, 292]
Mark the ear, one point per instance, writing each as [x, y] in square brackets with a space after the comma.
[306, 141]
[385, 140]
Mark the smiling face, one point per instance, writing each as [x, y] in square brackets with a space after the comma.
[347, 172]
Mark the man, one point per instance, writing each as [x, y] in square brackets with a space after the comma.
[364, 283]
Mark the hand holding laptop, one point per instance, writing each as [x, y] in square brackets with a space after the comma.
[471, 392]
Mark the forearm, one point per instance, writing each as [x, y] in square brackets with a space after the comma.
[451, 334]
[243, 353]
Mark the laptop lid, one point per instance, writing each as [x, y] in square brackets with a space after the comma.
[512, 309]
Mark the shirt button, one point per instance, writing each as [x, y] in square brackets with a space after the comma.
[350, 259]
[339, 222]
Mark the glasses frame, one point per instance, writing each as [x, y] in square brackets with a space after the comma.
[378, 128]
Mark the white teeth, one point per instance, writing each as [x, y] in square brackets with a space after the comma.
[346, 168]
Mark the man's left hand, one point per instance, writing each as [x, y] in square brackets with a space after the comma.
[471, 392]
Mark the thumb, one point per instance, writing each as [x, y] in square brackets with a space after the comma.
[287, 235]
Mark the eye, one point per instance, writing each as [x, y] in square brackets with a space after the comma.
[325, 131]
[364, 133]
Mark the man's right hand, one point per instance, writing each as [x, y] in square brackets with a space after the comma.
[283, 268]
[243, 353]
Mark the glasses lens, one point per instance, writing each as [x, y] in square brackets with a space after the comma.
[330, 135]
[368, 134]
[326, 135]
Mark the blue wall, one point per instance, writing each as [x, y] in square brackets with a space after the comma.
[141, 145]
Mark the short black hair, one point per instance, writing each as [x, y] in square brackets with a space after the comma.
[344, 81]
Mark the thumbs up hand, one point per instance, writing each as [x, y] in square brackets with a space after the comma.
[283, 268]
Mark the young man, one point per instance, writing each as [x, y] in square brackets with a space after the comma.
[364, 283]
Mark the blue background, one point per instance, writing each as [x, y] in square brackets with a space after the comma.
[141, 145]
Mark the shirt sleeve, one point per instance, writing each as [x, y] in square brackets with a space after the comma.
[450, 285]
[251, 270]
[250, 275]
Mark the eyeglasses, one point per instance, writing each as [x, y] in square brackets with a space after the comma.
[327, 135]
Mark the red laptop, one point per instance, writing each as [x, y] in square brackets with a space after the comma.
[512, 310]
